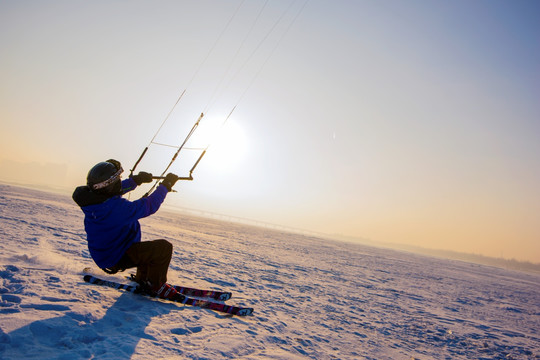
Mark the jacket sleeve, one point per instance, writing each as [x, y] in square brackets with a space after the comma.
[146, 206]
[128, 185]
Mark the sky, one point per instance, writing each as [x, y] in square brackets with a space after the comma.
[398, 122]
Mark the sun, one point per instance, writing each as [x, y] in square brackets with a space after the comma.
[228, 148]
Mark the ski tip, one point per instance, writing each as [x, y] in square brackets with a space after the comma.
[225, 296]
[244, 312]
[87, 278]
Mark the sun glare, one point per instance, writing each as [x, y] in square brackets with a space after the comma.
[228, 148]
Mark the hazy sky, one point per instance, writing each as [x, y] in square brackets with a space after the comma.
[412, 122]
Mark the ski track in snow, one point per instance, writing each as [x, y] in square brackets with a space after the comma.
[313, 298]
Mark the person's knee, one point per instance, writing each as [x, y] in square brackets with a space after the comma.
[165, 246]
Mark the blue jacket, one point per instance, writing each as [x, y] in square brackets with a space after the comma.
[112, 223]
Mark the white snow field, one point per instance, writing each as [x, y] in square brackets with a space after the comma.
[313, 298]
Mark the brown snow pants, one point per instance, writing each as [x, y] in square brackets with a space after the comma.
[151, 258]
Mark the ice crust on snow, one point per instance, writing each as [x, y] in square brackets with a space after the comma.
[313, 298]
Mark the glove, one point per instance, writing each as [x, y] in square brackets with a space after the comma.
[142, 177]
[169, 181]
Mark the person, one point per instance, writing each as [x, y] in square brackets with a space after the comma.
[113, 230]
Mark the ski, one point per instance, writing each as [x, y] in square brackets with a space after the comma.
[182, 299]
[217, 295]
[188, 291]
[213, 294]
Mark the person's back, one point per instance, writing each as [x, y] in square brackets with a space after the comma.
[112, 225]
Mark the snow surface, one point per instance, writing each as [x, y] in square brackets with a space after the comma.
[313, 298]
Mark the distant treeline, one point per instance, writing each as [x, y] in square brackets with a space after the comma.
[479, 259]
[447, 254]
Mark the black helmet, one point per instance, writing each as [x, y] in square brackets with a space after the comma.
[104, 177]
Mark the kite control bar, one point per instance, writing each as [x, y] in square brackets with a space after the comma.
[190, 177]
[180, 178]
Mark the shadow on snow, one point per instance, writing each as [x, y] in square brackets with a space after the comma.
[74, 335]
